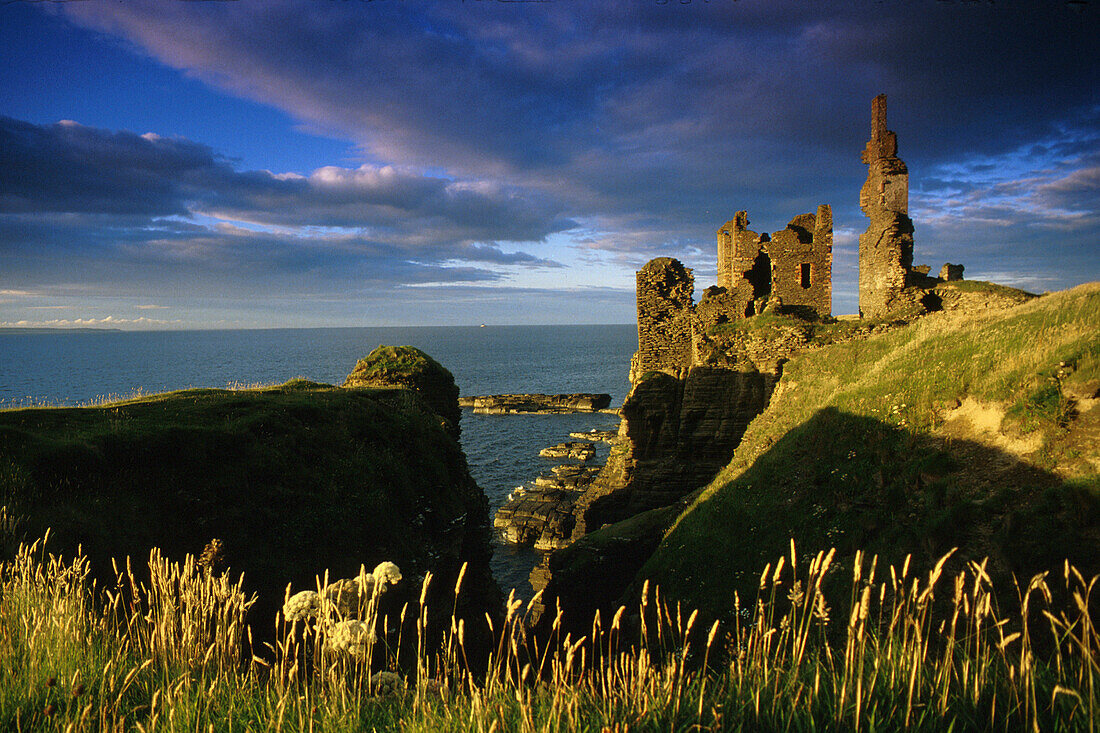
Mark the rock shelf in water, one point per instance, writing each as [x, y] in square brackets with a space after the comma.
[506, 404]
[605, 436]
[578, 450]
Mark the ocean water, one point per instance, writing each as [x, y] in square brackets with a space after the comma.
[79, 367]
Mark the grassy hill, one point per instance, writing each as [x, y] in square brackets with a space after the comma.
[977, 431]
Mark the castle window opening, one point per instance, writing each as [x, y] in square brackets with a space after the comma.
[805, 275]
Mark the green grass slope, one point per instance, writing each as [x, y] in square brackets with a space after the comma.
[976, 431]
[293, 479]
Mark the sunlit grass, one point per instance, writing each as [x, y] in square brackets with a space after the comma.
[903, 652]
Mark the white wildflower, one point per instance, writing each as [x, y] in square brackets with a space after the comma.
[386, 572]
[301, 606]
[385, 683]
[351, 637]
[350, 596]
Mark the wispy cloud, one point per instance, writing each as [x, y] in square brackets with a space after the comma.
[176, 203]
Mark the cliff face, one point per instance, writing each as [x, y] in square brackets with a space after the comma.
[293, 480]
[675, 435]
[974, 432]
[965, 429]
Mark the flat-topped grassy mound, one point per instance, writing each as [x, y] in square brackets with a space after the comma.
[976, 430]
[293, 479]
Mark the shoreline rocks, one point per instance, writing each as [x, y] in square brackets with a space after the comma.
[509, 404]
[578, 450]
[603, 436]
[541, 515]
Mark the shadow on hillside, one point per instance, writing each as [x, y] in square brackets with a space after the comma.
[845, 481]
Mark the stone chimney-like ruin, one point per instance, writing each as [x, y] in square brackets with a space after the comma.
[886, 248]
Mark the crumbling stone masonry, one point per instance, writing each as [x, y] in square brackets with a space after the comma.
[791, 269]
[888, 281]
[886, 248]
[794, 268]
[951, 273]
[666, 291]
[756, 272]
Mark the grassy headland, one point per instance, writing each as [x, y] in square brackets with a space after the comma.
[291, 479]
[901, 444]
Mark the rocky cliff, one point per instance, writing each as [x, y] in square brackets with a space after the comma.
[678, 433]
[675, 435]
[973, 428]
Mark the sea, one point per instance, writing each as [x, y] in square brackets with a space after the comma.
[89, 367]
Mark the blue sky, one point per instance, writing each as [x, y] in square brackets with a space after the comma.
[413, 162]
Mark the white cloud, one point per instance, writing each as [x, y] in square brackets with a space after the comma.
[108, 321]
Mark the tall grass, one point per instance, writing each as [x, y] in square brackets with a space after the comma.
[901, 652]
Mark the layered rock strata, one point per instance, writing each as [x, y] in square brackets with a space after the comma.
[542, 516]
[675, 435]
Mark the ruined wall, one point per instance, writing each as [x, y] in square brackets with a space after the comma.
[719, 305]
[744, 267]
[793, 267]
[666, 291]
[951, 273]
[738, 250]
[886, 248]
[802, 263]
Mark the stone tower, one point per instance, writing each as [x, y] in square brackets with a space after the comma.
[666, 295]
[886, 248]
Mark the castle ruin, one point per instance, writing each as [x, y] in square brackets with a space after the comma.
[791, 270]
[795, 266]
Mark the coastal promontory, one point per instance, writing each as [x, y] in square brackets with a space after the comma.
[293, 480]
